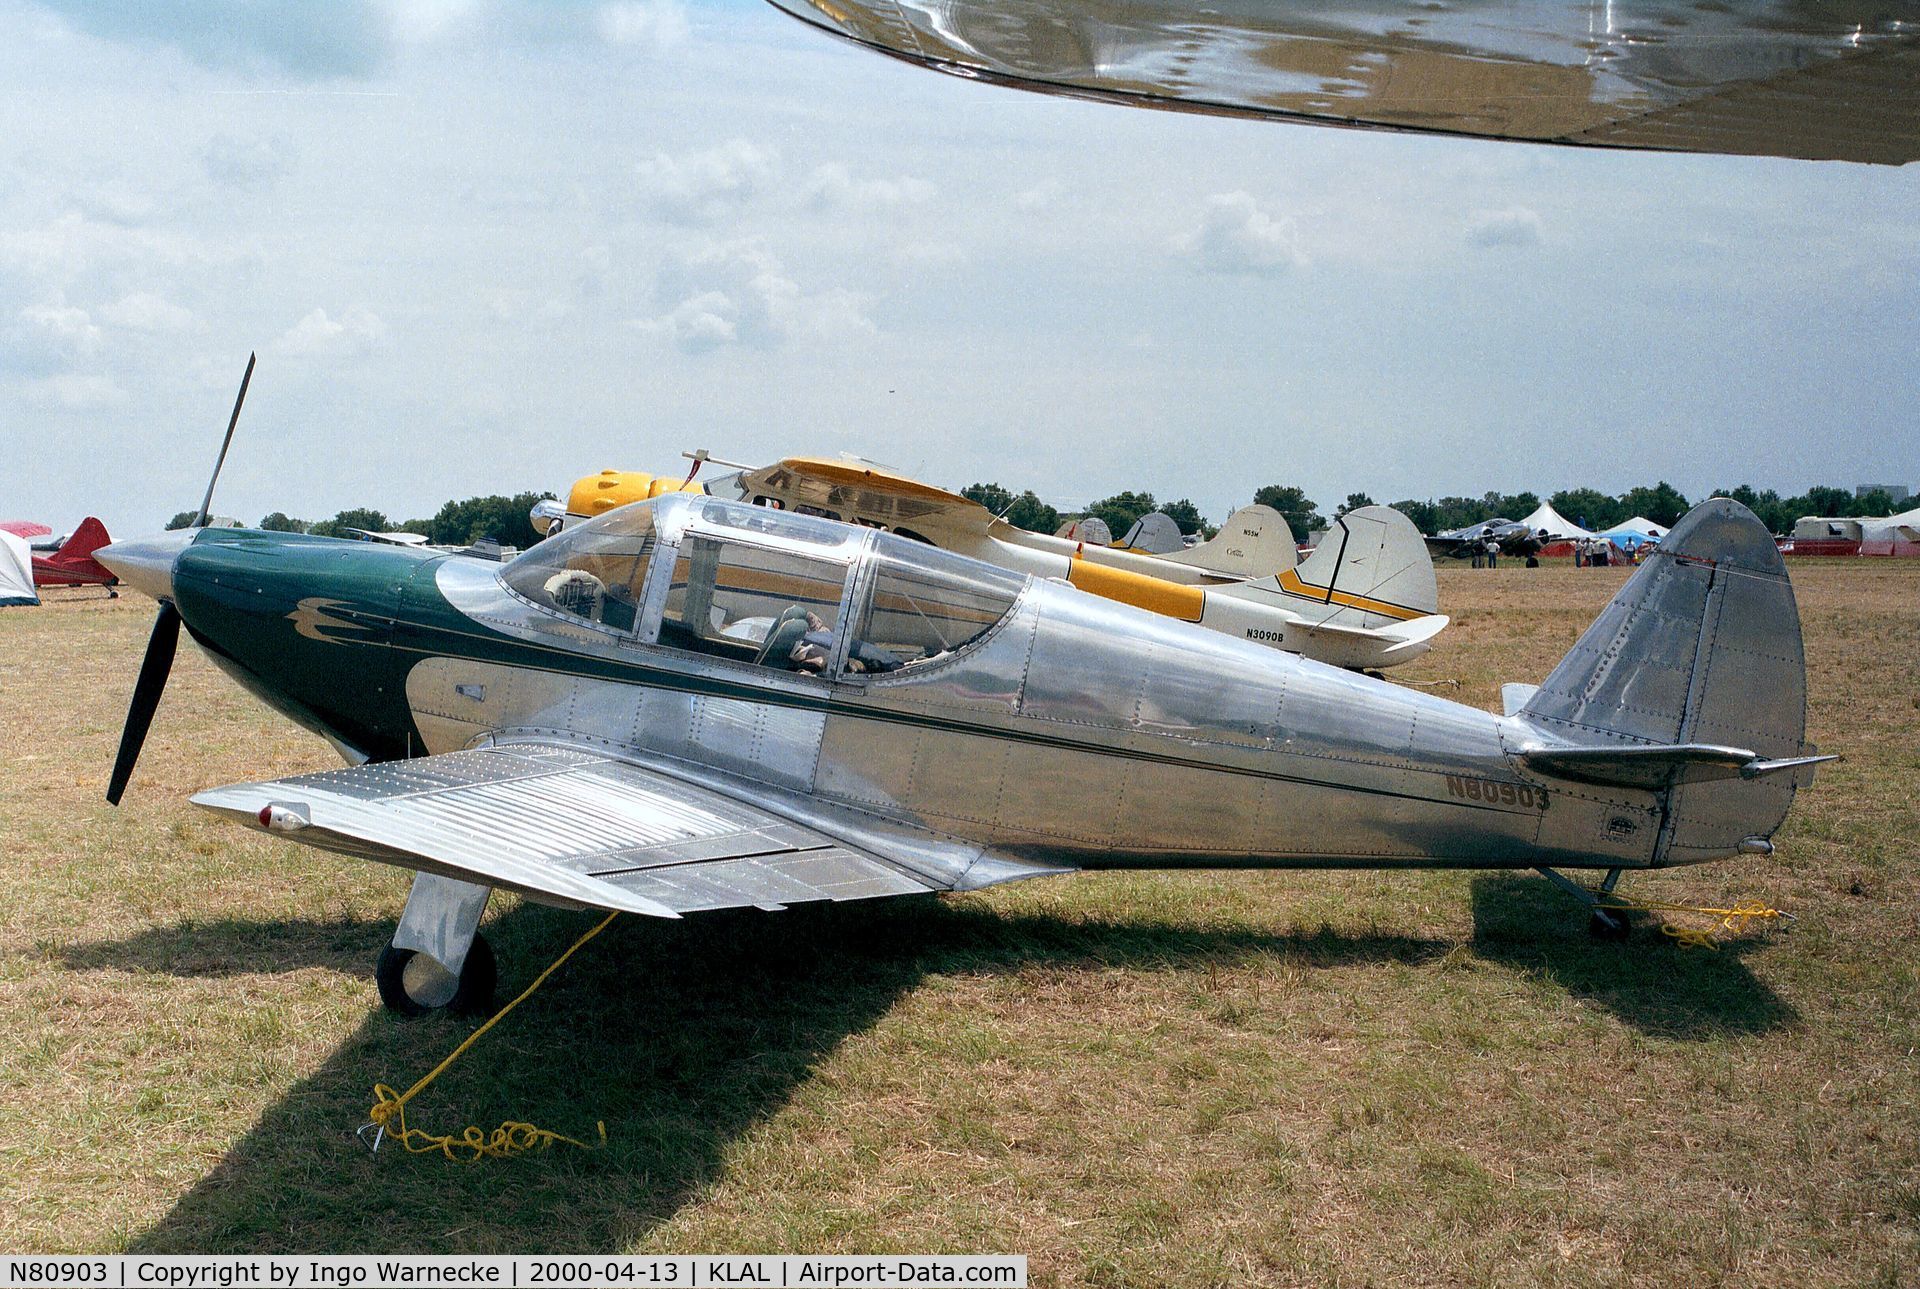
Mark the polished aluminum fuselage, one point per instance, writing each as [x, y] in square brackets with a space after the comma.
[1077, 732]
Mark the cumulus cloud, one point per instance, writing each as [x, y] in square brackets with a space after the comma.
[1236, 236]
[739, 293]
[654, 25]
[832, 186]
[1040, 196]
[317, 335]
[420, 22]
[144, 311]
[340, 38]
[76, 393]
[700, 322]
[61, 328]
[42, 339]
[1514, 226]
[115, 203]
[245, 163]
[703, 187]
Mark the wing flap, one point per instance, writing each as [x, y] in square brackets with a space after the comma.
[570, 825]
[764, 881]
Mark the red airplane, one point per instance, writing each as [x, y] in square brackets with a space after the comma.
[72, 564]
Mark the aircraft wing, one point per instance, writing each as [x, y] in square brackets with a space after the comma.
[848, 487]
[1764, 78]
[573, 827]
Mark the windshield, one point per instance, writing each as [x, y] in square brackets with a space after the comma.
[596, 571]
[926, 603]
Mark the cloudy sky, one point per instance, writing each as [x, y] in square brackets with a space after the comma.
[492, 245]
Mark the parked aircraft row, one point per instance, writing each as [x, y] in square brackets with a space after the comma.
[1365, 597]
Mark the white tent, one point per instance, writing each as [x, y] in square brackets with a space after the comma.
[1637, 531]
[16, 571]
[1639, 524]
[1556, 525]
[1903, 527]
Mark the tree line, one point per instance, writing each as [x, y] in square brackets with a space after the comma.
[458, 523]
[504, 519]
[1587, 507]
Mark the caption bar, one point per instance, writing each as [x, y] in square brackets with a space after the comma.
[556, 1271]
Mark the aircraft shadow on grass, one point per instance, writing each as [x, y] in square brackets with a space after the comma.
[684, 1036]
[1652, 983]
[681, 1036]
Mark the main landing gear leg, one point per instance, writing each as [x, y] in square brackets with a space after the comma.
[438, 958]
[1605, 923]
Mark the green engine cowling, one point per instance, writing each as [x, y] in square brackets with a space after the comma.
[291, 616]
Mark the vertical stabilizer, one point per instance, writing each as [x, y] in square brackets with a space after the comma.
[1373, 563]
[1700, 647]
[1254, 542]
[89, 537]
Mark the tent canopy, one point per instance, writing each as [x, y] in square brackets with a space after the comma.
[1904, 526]
[1640, 525]
[16, 571]
[1557, 526]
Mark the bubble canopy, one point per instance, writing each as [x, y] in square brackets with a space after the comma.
[746, 583]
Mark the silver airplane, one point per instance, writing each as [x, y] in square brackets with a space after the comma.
[692, 703]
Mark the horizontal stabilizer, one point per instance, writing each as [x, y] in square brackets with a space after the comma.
[1398, 637]
[1659, 766]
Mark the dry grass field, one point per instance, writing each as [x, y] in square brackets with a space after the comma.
[1188, 1079]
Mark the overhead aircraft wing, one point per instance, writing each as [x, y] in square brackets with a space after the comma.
[1779, 78]
[573, 827]
[849, 487]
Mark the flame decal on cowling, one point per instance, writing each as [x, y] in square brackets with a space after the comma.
[311, 619]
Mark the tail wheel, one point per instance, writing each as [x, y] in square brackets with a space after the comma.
[1609, 925]
[413, 984]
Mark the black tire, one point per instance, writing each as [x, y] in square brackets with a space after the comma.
[1610, 925]
[471, 996]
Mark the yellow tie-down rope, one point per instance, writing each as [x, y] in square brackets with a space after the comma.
[1732, 921]
[389, 1113]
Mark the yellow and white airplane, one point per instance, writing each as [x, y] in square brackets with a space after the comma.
[1365, 598]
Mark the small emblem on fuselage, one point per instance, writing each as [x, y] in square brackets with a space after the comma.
[311, 619]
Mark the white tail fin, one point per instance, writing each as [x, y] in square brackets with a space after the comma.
[1152, 534]
[1091, 529]
[1691, 683]
[1254, 542]
[1373, 562]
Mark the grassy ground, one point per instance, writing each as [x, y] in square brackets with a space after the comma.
[1190, 1079]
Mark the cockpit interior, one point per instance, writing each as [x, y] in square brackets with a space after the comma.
[765, 588]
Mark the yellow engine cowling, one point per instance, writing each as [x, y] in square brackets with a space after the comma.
[598, 493]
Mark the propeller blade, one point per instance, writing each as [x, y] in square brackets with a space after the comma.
[207, 501]
[146, 696]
